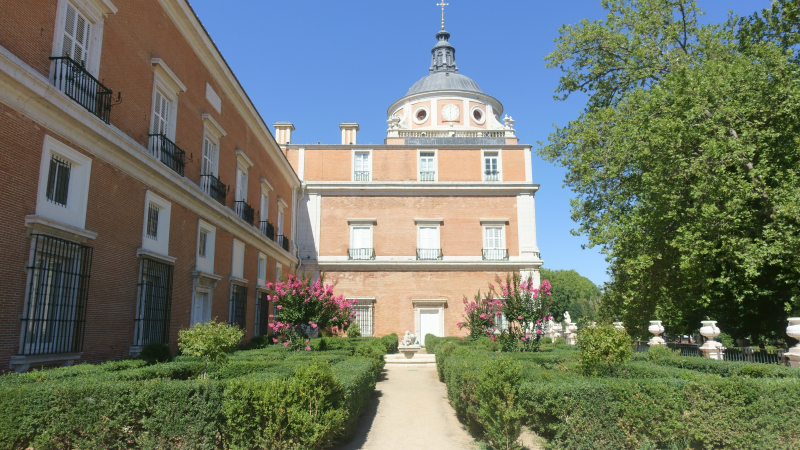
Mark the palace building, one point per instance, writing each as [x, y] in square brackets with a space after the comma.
[410, 227]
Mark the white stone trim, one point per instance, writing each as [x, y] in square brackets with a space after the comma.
[363, 221]
[427, 115]
[243, 161]
[435, 162]
[413, 188]
[94, 10]
[420, 305]
[472, 117]
[428, 221]
[499, 164]
[159, 245]
[74, 213]
[261, 281]
[412, 264]
[213, 127]
[22, 363]
[237, 260]
[44, 225]
[238, 281]
[168, 76]
[206, 264]
[353, 163]
[213, 98]
[265, 184]
[145, 253]
[528, 166]
[494, 221]
[282, 204]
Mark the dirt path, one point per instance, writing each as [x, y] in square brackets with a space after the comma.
[410, 410]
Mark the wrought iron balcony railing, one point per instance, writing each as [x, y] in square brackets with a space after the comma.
[168, 153]
[283, 241]
[492, 175]
[361, 176]
[244, 211]
[72, 78]
[267, 229]
[213, 187]
[427, 176]
[429, 254]
[360, 253]
[495, 254]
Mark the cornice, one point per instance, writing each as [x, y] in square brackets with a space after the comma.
[414, 265]
[184, 17]
[406, 147]
[485, 98]
[420, 188]
[27, 91]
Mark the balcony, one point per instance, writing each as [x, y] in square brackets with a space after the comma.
[244, 211]
[492, 175]
[267, 229]
[73, 79]
[283, 241]
[495, 254]
[360, 253]
[213, 187]
[168, 153]
[361, 176]
[429, 254]
[427, 176]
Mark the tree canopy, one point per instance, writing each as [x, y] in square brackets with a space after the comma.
[571, 292]
[686, 161]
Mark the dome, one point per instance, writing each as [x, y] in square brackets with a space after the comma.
[444, 81]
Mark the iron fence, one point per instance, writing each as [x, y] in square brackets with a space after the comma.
[492, 175]
[168, 153]
[262, 315]
[238, 308]
[55, 311]
[429, 254]
[361, 175]
[495, 254]
[427, 176]
[72, 78]
[283, 241]
[244, 211]
[756, 355]
[155, 303]
[267, 229]
[360, 253]
[215, 188]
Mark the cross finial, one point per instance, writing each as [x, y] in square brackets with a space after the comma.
[442, 4]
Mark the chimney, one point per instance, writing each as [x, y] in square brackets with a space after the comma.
[349, 130]
[283, 132]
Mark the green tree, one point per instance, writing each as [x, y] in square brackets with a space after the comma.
[572, 292]
[685, 161]
[211, 341]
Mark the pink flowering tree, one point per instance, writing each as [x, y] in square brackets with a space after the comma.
[526, 311]
[304, 308]
[481, 316]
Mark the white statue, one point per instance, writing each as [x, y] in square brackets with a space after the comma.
[409, 339]
[567, 318]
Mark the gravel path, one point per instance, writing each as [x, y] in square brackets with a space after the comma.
[409, 410]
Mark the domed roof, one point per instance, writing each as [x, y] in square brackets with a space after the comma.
[444, 81]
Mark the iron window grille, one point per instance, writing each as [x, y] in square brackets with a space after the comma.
[364, 318]
[262, 315]
[267, 229]
[54, 317]
[360, 253]
[245, 211]
[155, 302]
[58, 181]
[168, 153]
[152, 221]
[72, 78]
[427, 176]
[215, 188]
[283, 241]
[361, 175]
[495, 254]
[202, 245]
[429, 254]
[238, 308]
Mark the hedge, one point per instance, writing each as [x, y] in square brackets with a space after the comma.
[262, 398]
[671, 402]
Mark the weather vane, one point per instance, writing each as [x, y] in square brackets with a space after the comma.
[443, 4]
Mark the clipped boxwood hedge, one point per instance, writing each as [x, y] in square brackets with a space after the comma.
[262, 398]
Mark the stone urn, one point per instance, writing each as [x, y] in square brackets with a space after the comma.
[793, 330]
[711, 348]
[656, 328]
[572, 338]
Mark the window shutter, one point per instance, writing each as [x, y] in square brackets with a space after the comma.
[429, 237]
[77, 30]
[160, 114]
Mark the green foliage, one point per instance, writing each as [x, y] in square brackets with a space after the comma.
[156, 352]
[256, 342]
[602, 349]
[561, 341]
[547, 340]
[390, 343]
[354, 330]
[659, 352]
[573, 293]
[498, 406]
[211, 341]
[727, 340]
[685, 162]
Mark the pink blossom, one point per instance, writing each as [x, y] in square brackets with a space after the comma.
[306, 341]
[285, 344]
[307, 347]
[274, 341]
[313, 325]
[271, 316]
[462, 338]
[519, 318]
[539, 331]
[523, 339]
[280, 307]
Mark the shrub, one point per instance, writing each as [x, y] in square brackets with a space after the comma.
[374, 350]
[390, 342]
[726, 340]
[261, 341]
[560, 341]
[156, 352]
[211, 341]
[354, 331]
[498, 406]
[547, 340]
[602, 348]
[660, 352]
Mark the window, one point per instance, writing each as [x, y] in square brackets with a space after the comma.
[262, 269]
[155, 236]
[238, 308]
[363, 310]
[154, 304]
[76, 37]
[362, 166]
[237, 269]
[361, 243]
[262, 315]
[54, 314]
[264, 205]
[427, 166]
[63, 184]
[201, 312]
[161, 114]
[477, 115]
[206, 240]
[494, 246]
[209, 161]
[428, 247]
[491, 166]
[278, 272]
[58, 180]
[208, 164]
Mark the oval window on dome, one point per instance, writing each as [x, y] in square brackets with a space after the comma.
[477, 115]
[420, 115]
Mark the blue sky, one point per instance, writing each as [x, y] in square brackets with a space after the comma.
[318, 63]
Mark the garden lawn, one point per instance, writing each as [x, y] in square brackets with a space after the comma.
[261, 398]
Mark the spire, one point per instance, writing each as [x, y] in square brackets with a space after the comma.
[443, 55]
[442, 4]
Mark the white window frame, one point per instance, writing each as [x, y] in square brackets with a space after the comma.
[206, 264]
[206, 308]
[427, 115]
[502, 235]
[369, 304]
[472, 117]
[74, 213]
[214, 133]
[261, 270]
[167, 83]
[238, 251]
[278, 271]
[435, 225]
[266, 188]
[95, 11]
[435, 163]
[353, 163]
[159, 245]
[499, 164]
[362, 223]
[279, 225]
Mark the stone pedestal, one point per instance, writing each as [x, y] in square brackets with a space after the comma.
[408, 351]
[571, 337]
[793, 330]
[711, 348]
[656, 328]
